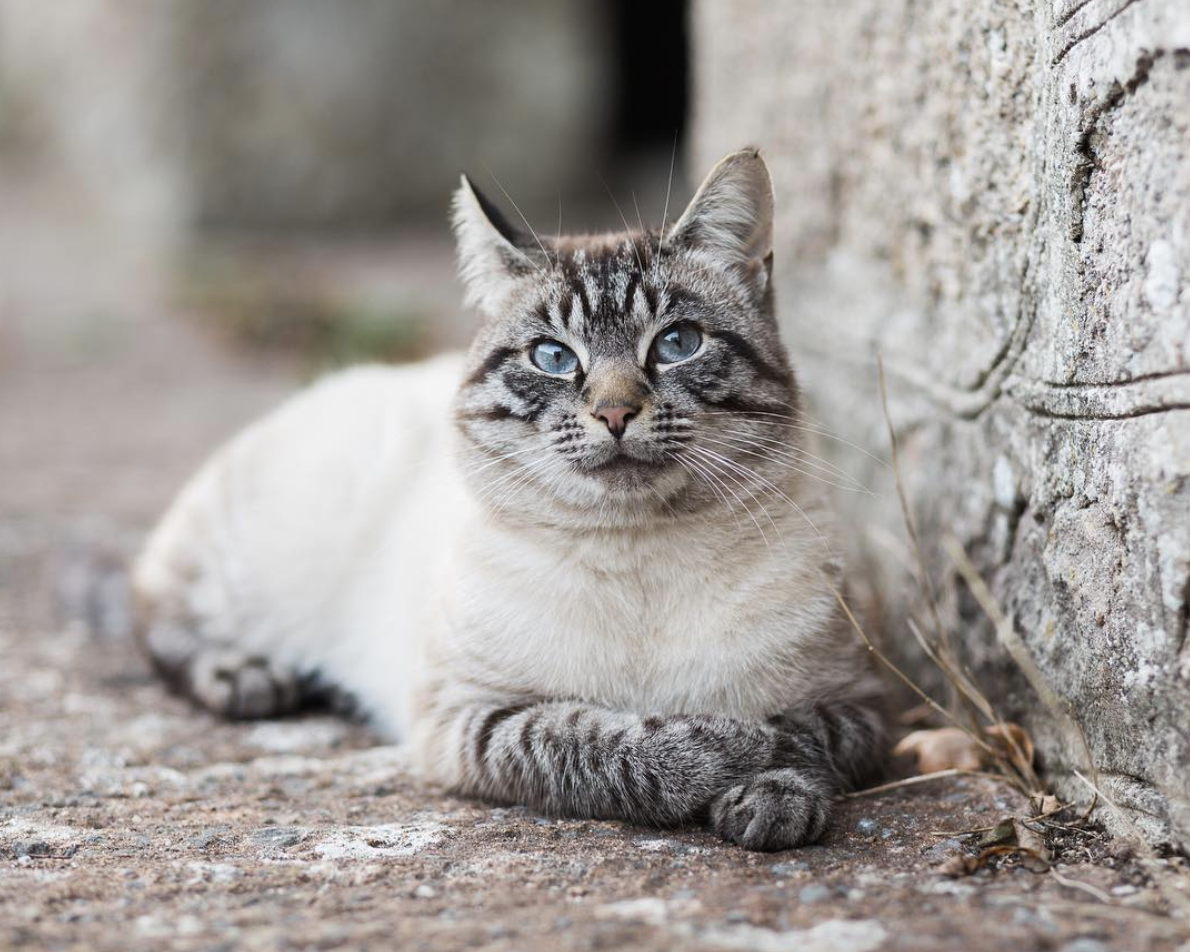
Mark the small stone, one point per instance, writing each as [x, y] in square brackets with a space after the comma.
[789, 869]
[205, 840]
[425, 891]
[280, 837]
[943, 849]
[814, 893]
[1084, 945]
[866, 826]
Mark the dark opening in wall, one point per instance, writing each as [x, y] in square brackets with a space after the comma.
[652, 75]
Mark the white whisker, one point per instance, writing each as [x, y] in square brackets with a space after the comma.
[526, 221]
[773, 488]
[755, 446]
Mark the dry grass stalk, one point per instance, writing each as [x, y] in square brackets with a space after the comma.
[1014, 644]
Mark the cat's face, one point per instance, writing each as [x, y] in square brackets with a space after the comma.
[627, 376]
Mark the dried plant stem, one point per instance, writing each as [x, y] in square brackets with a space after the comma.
[926, 778]
[888, 663]
[923, 577]
[1014, 644]
[1085, 887]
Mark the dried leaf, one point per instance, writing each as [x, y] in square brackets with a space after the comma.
[943, 748]
[1035, 855]
[1002, 833]
[1046, 805]
[1014, 742]
[958, 866]
[964, 865]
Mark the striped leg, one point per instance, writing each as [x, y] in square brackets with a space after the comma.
[573, 759]
[790, 806]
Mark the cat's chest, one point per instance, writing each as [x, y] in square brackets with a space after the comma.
[658, 629]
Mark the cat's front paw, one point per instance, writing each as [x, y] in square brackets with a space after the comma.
[775, 810]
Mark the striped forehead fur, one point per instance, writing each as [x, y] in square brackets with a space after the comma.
[607, 298]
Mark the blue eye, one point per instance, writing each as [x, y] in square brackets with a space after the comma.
[676, 343]
[554, 358]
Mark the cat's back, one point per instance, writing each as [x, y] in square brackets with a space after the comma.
[299, 491]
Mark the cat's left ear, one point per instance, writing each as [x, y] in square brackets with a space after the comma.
[493, 254]
[731, 215]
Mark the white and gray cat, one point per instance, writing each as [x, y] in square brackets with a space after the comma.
[582, 568]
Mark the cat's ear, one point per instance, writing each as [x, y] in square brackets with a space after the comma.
[493, 253]
[731, 214]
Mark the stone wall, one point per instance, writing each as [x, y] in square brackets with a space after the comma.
[995, 196]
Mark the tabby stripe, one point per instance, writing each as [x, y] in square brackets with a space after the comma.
[651, 300]
[734, 403]
[630, 294]
[491, 362]
[493, 720]
[747, 353]
[496, 413]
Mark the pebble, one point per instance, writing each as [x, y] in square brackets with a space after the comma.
[866, 826]
[279, 837]
[31, 848]
[205, 839]
[814, 893]
[789, 869]
[1084, 945]
[943, 849]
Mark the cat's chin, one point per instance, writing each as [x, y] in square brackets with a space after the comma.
[625, 470]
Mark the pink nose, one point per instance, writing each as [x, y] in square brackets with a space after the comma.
[616, 416]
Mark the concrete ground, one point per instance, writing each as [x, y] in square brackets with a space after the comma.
[130, 821]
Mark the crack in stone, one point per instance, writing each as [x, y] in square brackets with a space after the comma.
[1084, 164]
[1089, 32]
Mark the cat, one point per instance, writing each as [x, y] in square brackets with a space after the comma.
[582, 568]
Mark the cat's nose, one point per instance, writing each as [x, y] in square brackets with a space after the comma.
[615, 415]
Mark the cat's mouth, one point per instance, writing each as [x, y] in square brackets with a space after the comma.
[621, 465]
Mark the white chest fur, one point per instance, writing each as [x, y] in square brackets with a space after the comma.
[684, 618]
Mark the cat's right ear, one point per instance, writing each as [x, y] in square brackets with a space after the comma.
[493, 254]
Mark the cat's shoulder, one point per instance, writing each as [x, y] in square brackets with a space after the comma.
[368, 389]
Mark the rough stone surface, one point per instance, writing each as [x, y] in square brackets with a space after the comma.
[130, 821]
[995, 196]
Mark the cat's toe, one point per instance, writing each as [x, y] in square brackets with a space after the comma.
[776, 810]
[243, 687]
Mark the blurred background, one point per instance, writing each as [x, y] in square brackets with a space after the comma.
[289, 162]
[204, 203]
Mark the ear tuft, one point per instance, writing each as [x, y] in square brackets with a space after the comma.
[731, 214]
[493, 254]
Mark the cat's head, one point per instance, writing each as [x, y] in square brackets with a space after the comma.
[625, 376]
